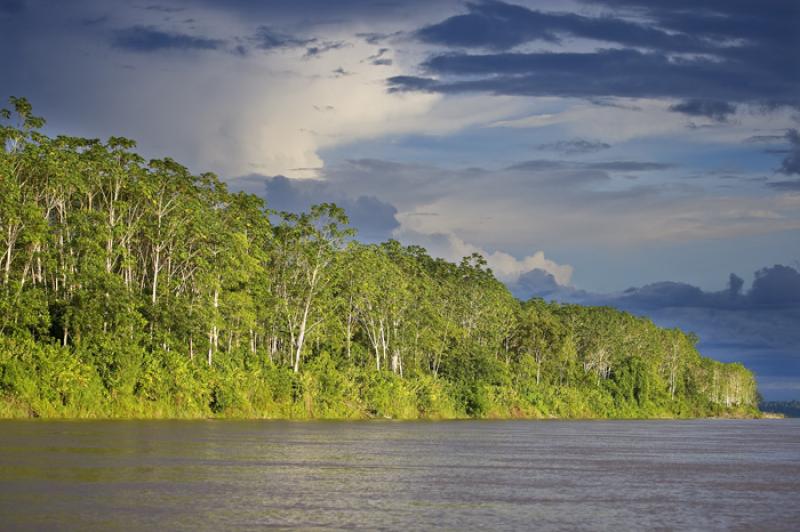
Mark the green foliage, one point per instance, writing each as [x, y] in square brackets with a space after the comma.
[137, 289]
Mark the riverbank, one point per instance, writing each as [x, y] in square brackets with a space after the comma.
[11, 408]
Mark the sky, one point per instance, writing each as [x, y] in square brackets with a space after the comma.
[636, 153]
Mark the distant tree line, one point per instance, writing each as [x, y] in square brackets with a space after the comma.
[787, 408]
[133, 288]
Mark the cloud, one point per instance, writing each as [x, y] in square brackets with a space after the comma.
[539, 282]
[12, 6]
[374, 219]
[163, 9]
[267, 38]
[379, 58]
[574, 146]
[715, 110]
[543, 204]
[501, 26]
[776, 286]
[506, 267]
[623, 73]
[150, 39]
[325, 12]
[729, 52]
[321, 48]
[629, 166]
[607, 166]
[785, 185]
[791, 163]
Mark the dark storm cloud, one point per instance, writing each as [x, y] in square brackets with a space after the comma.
[150, 39]
[574, 146]
[715, 110]
[603, 73]
[502, 26]
[740, 53]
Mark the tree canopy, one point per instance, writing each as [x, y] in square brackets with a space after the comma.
[133, 288]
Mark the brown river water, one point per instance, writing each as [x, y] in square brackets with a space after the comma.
[459, 475]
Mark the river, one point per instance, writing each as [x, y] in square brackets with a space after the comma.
[459, 475]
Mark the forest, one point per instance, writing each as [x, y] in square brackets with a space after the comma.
[784, 408]
[136, 289]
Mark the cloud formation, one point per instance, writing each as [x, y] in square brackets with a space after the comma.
[574, 146]
[715, 110]
[791, 163]
[506, 267]
[374, 219]
[267, 38]
[150, 39]
[501, 26]
[727, 52]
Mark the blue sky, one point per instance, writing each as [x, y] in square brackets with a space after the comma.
[584, 147]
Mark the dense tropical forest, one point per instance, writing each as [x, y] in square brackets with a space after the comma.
[133, 288]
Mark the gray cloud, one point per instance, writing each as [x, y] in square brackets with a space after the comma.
[607, 166]
[374, 219]
[773, 288]
[150, 39]
[267, 38]
[163, 9]
[784, 185]
[791, 163]
[715, 110]
[319, 49]
[574, 146]
[325, 11]
[629, 166]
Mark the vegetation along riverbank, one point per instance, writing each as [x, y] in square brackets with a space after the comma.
[133, 288]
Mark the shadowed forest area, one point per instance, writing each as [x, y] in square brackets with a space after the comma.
[133, 288]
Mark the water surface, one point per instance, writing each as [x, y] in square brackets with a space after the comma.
[495, 475]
